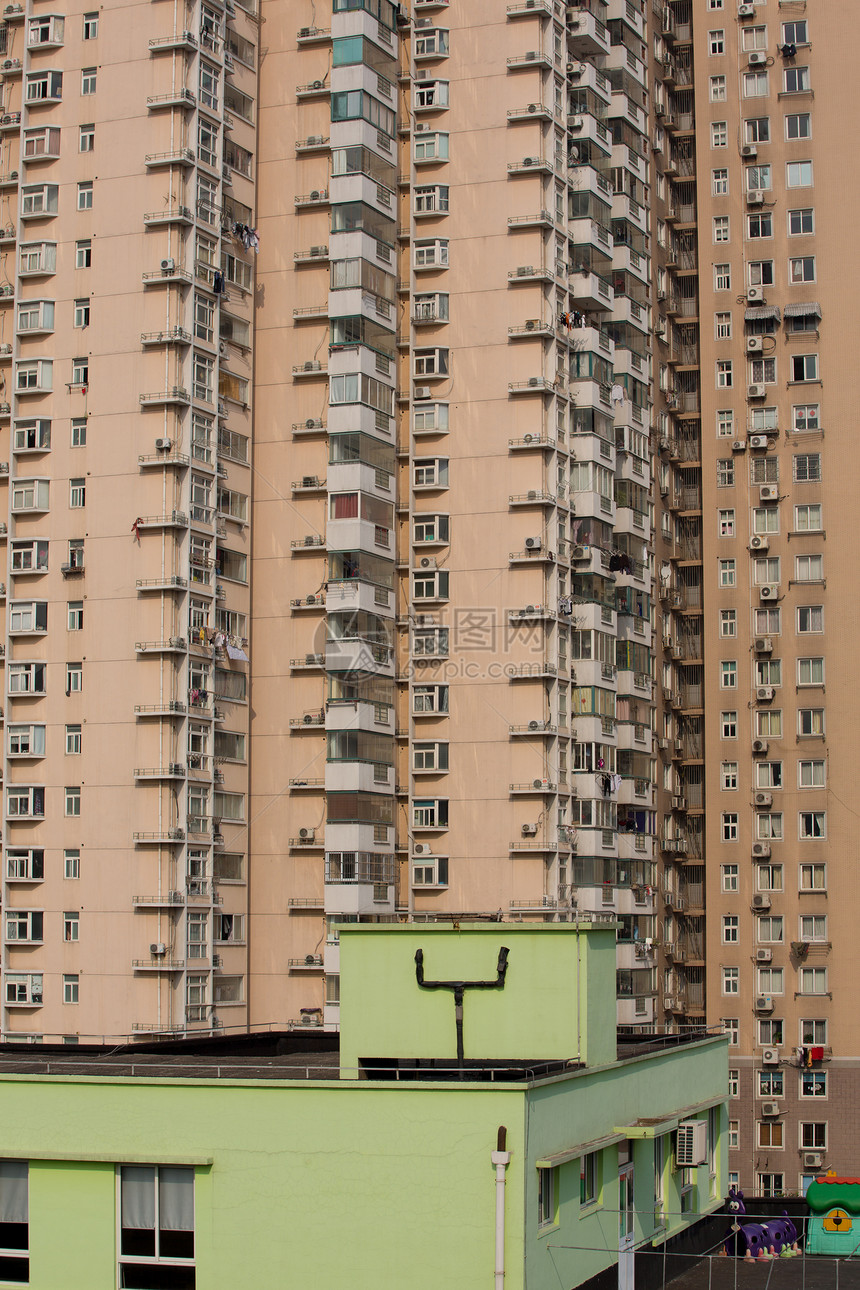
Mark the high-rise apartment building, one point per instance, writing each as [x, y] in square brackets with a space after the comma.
[505, 324]
[127, 137]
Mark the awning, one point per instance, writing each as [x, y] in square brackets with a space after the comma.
[759, 313]
[811, 309]
[582, 1149]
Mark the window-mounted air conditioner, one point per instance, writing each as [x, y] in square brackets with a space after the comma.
[763, 956]
[769, 591]
[761, 901]
[759, 543]
[758, 441]
[691, 1143]
[770, 1057]
[764, 694]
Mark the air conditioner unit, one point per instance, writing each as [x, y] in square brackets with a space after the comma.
[761, 901]
[531, 323]
[759, 543]
[746, 10]
[770, 1057]
[691, 1143]
[758, 58]
[761, 851]
[763, 956]
[529, 830]
[764, 1003]
[769, 591]
[812, 1159]
[769, 493]
[758, 441]
[541, 783]
[575, 122]
[749, 150]
[578, 553]
[755, 295]
[525, 270]
[158, 948]
[663, 744]
[167, 266]
[770, 1108]
[738, 445]
[755, 391]
[755, 345]
[318, 250]
[531, 55]
[755, 197]
[423, 392]
[759, 747]
[764, 694]
[428, 562]
[421, 849]
[533, 543]
[163, 445]
[306, 835]
[536, 725]
[764, 799]
[763, 644]
[679, 803]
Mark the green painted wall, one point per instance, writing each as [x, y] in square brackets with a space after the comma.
[603, 1102]
[558, 974]
[311, 1186]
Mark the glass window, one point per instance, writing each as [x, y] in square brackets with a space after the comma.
[156, 1221]
[801, 221]
[798, 174]
[730, 877]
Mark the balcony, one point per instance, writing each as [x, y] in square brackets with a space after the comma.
[313, 370]
[531, 441]
[172, 215]
[154, 964]
[167, 900]
[535, 58]
[172, 520]
[175, 157]
[530, 9]
[173, 771]
[534, 385]
[174, 98]
[534, 327]
[175, 395]
[530, 671]
[534, 730]
[167, 275]
[167, 708]
[173, 645]
[586, 35]
[533, 112]
[312, 90]
[167, 582]
[179, 40]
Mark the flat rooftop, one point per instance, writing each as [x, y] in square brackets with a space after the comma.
[284, 1055]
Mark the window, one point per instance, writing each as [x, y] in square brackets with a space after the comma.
[754, 38]
[731, 980]
[36, 315]
[720, 182]
[807, 519]
[770, 929]
[798, 174]
[88, 80]
[731, 933]
[755, 85]
[811, 774]
[726, 523]
[810, 618]
[730, 826]
[760, 225]
[722, 277]
[807, 467]
[26, 741]
[156, 1223]
[801, 269]
[728, 674]
[721, 228]
[814, 1135]
[723, 326]
[769, 877]
[77, 493]
[768, 671]
[801, 221]
[768, 825]
[770, 1133]
[761, 273]
[71, 925]
[716, 42]
[719, 134]
[795, 80]
[757, 128]
[82, 313]
[771, 1032]
[728, 725]
[71, 985]
[798, 126]
[770, 1185]
[813, 927]
[73, 740]
[85, 195]
[14, 1174]
[768, 725]
[547, 1186]
[73, 801]
[725, 423]
[86, 138]
[813, 1083]
[28, 616]
[44, 87]
[730, 877]
[804, 367]
[758, 178]
[812, 824]
[724, 374]
[83, 254]
[74, 678]
[717, 89]
[728, 623]
[30, 494]
[430, 756]
[588, 1178]
[728, 776]
[75, 612]
[771, 1083]
[39, 199]
[768, 774]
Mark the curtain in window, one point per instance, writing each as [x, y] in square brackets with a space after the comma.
[138, 1196]
[13, 1191]
[344, 506]
[175, 1199]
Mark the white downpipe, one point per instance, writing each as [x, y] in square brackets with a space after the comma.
[501, 1159]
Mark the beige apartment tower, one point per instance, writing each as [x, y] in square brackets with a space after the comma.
[416, 505]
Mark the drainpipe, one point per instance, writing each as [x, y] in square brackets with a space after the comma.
[501, 1159]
